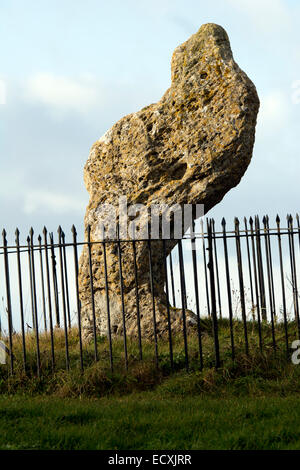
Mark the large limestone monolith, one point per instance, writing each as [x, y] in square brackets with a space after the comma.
[192, 146]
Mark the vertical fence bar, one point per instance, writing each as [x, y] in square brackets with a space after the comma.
[49, 298]
[108, 307]
[122, 295]
[282, 286]
[17, 233]
[92, 292]
[216, 267]
[205, 269]
[293, 270]
[31, 285]
[241, 281]
[172, 280]
[38, 358]
[183, 303]
[260, 271]
[63, 236]
[59, 231]
[153, 297]
[213, 295]
[268, 262]
[271, 267]
[228, 288]
[168, 304]
[196, 290]
[8, 301]
[75, 253]
[137, 300]
[42, 282]
[249, 264]
[54, 280]
[256, 284]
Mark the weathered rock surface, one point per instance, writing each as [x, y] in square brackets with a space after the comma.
[192, 146]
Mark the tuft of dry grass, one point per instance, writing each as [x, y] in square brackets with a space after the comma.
[246, 371]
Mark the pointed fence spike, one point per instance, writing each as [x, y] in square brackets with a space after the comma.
[223, 222]
[44, 230]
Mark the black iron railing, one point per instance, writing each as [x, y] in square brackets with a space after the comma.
[200, 275]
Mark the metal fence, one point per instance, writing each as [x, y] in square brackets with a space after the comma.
[245, 278]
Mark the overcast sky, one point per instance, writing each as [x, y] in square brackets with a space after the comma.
[71, 68]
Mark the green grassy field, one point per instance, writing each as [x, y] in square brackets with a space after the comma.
[147, 421]
[251, 403]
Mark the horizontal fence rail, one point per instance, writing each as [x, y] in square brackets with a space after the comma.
[241, 286]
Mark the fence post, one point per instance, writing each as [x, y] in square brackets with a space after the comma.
[17, 233]
[260, 271]
[293, 270]
[42, 282]
[152, 294]
[241, 280]
[54, 279]
[77, 294]
[92, 292]
[282, 286]
[210, 266]
[256, 284]
[168, 304]
[196, 290]
[205, 269]
[49, 298]
[217, 267]
[63, 237]
[38, 359]
[269, 264]
[63, 296]
[228, 288]
[8, 300]
[122, 295]
[183, 303]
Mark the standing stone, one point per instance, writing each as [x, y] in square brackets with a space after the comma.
[192, 147]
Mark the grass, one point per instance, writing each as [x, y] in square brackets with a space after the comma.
[251, 403]
[98, 380]
[144, 421]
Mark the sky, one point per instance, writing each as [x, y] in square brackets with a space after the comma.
[70, 69]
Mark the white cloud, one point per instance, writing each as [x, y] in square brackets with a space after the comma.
[267, 15]
[40, 200]
[63, 94]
